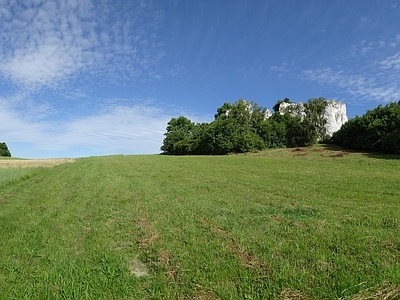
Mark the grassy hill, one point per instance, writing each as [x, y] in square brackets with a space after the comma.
[305, 223]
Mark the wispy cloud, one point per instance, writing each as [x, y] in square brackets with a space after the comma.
[362, 88]
[391, 62]
[120, 129]
[372, 75]
[284, 68]
[49, 45]
[45, 42]
[138, 129]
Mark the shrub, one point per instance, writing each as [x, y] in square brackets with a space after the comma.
[377, 130]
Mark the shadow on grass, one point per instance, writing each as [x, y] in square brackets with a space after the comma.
[333, 147]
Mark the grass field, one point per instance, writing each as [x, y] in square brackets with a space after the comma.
[305, 223]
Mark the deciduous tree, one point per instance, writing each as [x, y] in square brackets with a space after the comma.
[4, 150]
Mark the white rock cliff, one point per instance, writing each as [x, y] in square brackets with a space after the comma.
[295, 109]
[335, 116]
[334, 113]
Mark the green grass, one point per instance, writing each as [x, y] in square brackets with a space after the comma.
[12, 176]
[281, 224]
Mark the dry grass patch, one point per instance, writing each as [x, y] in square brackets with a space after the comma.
[386, 291]
[201, 294]
[289, 294]
[297, 150]
[149, 236]
[247, 259]
[340, 154]
[165, 258]
[32, 163]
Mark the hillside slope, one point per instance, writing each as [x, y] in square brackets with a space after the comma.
[310, 223]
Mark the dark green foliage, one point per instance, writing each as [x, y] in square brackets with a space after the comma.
[377, 130]
[238, 128]
[220, 136]
[223, 111]
[273, 132]
[314, 109]
[4, 150]
[300, 133]
[234, 130]
[178, 136]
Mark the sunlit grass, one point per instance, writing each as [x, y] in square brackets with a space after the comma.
[11, 176]
[310, 223]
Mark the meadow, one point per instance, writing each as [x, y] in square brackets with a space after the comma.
[304, 223]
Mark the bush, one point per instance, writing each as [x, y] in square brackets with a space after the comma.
[377, 130]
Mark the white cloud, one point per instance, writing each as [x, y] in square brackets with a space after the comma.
[283, 68]
[43, 64]
[46, 42]
[126, 128]
[370, 73]
[392, 62]
[120, 129]
[48, 45]
[363, 88]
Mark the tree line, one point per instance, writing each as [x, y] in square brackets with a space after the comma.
[243, 127]
[378, 130]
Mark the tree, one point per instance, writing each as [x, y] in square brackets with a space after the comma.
[242, 127]
[235, 128]
[178, 136]
[314, 109]
[240, 112]
[297, 132]
[377, 130]
[273, 132]
[200, 139]
[223, 111]
[4, 150]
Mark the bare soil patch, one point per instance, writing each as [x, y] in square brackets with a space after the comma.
[138, 268]
[32, 163]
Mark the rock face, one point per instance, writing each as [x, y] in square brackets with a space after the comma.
[295, 109]
[334, 113]
[335, 116]
[267, 114]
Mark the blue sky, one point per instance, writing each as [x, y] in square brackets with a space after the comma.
[82, 78]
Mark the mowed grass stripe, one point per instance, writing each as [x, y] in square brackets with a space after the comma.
[275, 224]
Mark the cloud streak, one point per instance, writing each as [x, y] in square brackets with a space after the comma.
[363, 88]
[122, 129]
[392, 62]
[48, 46]
[376, 78]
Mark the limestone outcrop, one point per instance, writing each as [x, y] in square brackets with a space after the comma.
[335, 116]
[267, 114]
[295, 109]
[334, 113]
